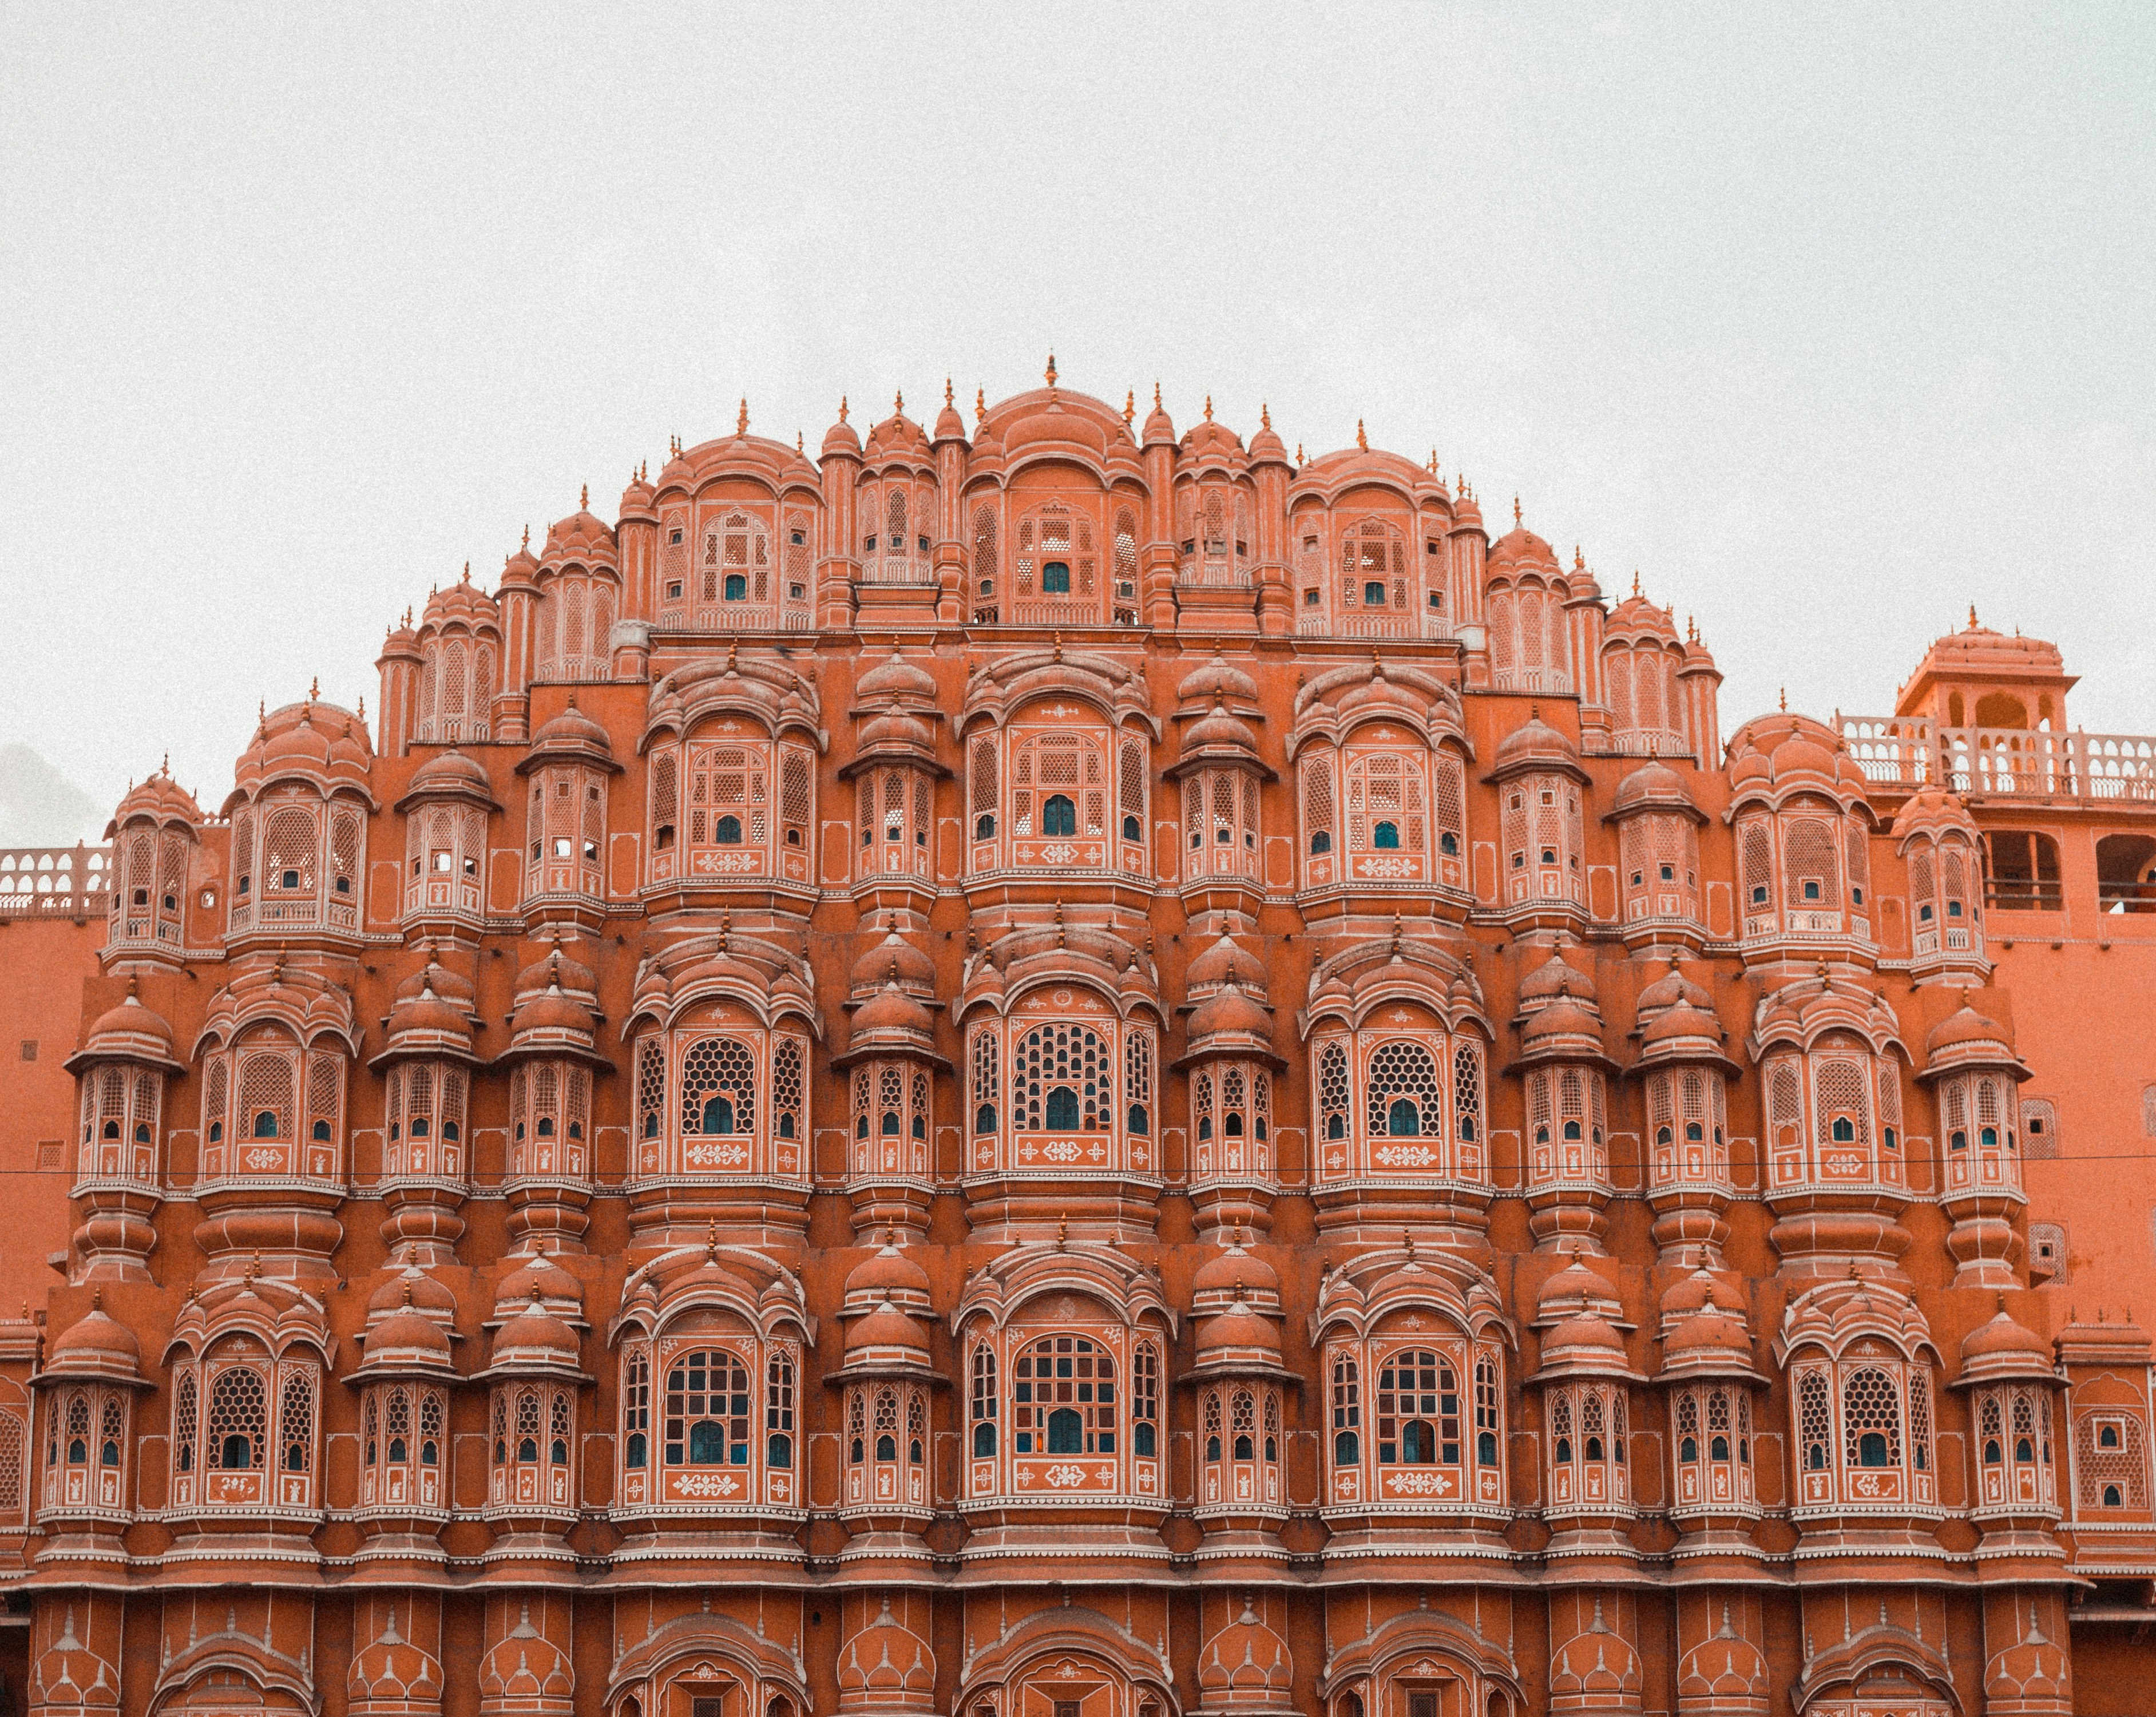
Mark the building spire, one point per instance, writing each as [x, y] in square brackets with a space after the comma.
[980, 405]
[842, 409]
[1209, 408]
[741, 424]
[1516, 511]
[1362, 436]
[1130, 406]
[1049, 373]
[584, 499]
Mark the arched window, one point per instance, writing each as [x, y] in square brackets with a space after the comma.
[1406, 1096]
[983, 1406]
[778, 1412]
[707, 1410]
[1871, 1419]
[1063, 1398]
[1060, 1079]
[1059, 815]
[239, 1421]
[1347, 1411]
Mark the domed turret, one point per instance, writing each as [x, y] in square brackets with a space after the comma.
[2004, 1349]
[888, 1275]
[1534, 745]
[535, 1340]
[96, 1346]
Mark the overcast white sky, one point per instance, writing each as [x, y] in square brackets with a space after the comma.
[1829, 321]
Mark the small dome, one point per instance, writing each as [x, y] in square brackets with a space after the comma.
[1636, 618]
[160, 798]
[1230, 1012]
[1232, 1271]
[1214, 964]
[895, 731]
[413, 1288]
[1521, 545]
[556, 967]
[405, 1338]
[428, 1014]
[454, 771]
[572, 733]
[898, 436]
[1688, 1293]
[1556, 1021]
[1219, 731]
[1216, 682]
[2004, 1337]
[1966, 1028]
[1671, 988]
[894, 955]
[1158, 425]
[132, 1030]
[452, 986]
[1266, 445]
[534, 1336]
[1239, 1330]
[887, 1274]
[583, 535]
[1711, 1329]
[541, 1276]
[96, 1344]
[554, 1010]
[949, 425]
[1681, 1022]
[1653, 785]
[891, 1010]
[1534, 745]
[895, 677]
[1586, 1338]
[1246, 1666]
[840, 438]
[1576, 1291]
[886, 1328]
[1555, 977]
[887, 1666]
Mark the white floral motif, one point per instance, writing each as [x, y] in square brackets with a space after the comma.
[1064, 1478]
[707, 1485]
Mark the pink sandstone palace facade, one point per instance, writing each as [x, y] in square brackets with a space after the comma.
[1038, 1067]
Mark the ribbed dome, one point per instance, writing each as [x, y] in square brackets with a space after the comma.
[1671, 987]
[452, 986]
[1534, 745]
[894, 730]
[2004, 1336]
[453, 771]
[886, 1327]
[887, 1274]
[572, 733]
[1520, 544]
[538, 1276]
[96, 1344]
[1213, 966]
[1237, 1330]
[131, 1029]
[895, 677]
[891, 1010]
[1232, 1270]
[894, 955]
[1216, 681]
[1219, 733]
[413, 1288]
[1681, 1021]
[1230, 1012]
[556, 966]
[405, 1338]
[534, 1336]
[553, 1010]
[1555, 977]
[160, 798]
[1653, 785]
[1963, 1027]
[1711, 1329]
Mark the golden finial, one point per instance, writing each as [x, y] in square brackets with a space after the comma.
[842, 409]
[1972, 617]
[741, 424]
[1062, 1232]
[1298, 452]
[1785, 699]
[466, 579]
[1362, 438]
[980, 405]
[1432, 467]
[1209, 408]
[947, 390]
[800, 442]
[164, 768]
[898, 402]
[314, 688]
[1049, 373]
[1516, 509]
[1130, 405]
[1264, 415]
[1635, 581]
[527, 536]
[584, 499]
[1578, 560]
[362, 709]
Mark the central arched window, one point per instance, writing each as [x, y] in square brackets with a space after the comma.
[718, 1088]
[1060, 1077]
[707, 1410]
[1405, 1087]
[1055, 578]
[239, 1420]
[982, 1403]
[1063, 1398]
[1059, 815]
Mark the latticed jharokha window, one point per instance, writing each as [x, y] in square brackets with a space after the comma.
[708, 1410]
[239, 1421]
[718, 1088]
[1063, 1398]
[2111, 1461]
[1060, 1079]
[1406, 1098]
[1418, 1410]
[982, 1401]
